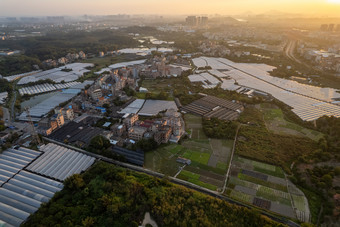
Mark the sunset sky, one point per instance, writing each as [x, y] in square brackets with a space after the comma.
[183, 7]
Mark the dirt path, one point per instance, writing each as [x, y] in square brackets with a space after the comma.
[149, 220]
[231, 159]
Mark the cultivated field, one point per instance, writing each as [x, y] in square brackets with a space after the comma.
[265, 186]
[209, 157]
[275, 122]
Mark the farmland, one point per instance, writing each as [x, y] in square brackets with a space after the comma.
[265, 186]
[209, 157]
[275, 122]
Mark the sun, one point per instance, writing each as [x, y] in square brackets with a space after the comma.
[334, 1]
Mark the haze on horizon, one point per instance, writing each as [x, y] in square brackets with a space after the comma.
[165, 7]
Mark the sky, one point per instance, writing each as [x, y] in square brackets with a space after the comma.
[165, 7]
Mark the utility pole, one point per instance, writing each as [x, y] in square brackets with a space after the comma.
[34, 133]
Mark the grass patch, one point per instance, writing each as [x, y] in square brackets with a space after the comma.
[262, 182]
[208, 168]
[236, 181]
[270, 194]
[190, 175]
[315, 202]
[194, 178]
[240, 196]
[277, 173]
[221, 165]
[199, 157]
[299, 202]
[271, 114]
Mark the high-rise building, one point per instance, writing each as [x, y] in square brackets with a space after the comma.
[204, 20]
[337, 28]
[191, 20]
[196, 21]
[324, 27]
[331, 27]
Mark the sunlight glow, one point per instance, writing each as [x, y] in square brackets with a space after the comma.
[334, 1]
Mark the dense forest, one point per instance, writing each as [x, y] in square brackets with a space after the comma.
[331, 127]
[12, 65]
[58, 44]
[5, 85]
[107, 195]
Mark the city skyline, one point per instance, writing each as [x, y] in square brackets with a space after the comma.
[175, 7]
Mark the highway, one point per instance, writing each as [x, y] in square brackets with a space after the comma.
[206, 191]
[289, 50]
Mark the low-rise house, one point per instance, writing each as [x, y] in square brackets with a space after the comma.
[118, 129]
[163, 134]
[136, 133]
[130, 120]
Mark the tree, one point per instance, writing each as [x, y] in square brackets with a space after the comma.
[99, 143]
[74, 182]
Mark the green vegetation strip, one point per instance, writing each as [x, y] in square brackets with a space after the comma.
[240, 196]
[299, 202]
[262, 182]
[236, 181]
[270, 194]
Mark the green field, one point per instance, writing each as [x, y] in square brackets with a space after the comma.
[262, 182]
[194, 178]
[299, 202]
[240, 196]
[199, 157]
[209, 157]
[262, 167]
[273, 195]
[276, 123]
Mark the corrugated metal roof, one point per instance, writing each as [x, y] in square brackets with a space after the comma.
[22, 192]
[59, 162]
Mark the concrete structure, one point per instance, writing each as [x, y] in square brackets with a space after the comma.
[136, 133]
[163, 134]
[68, 113]
[3, 97]
[130, 120]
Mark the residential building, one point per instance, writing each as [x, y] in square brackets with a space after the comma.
[96, 94]
[163, 134]
[130, 120]
[136, 133]
[67, 113]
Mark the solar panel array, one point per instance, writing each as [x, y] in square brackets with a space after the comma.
[22, 192]
[58, 75]
[42, 88]
[308, 102]
[59, 162]
[206, 79]
[213, 107]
